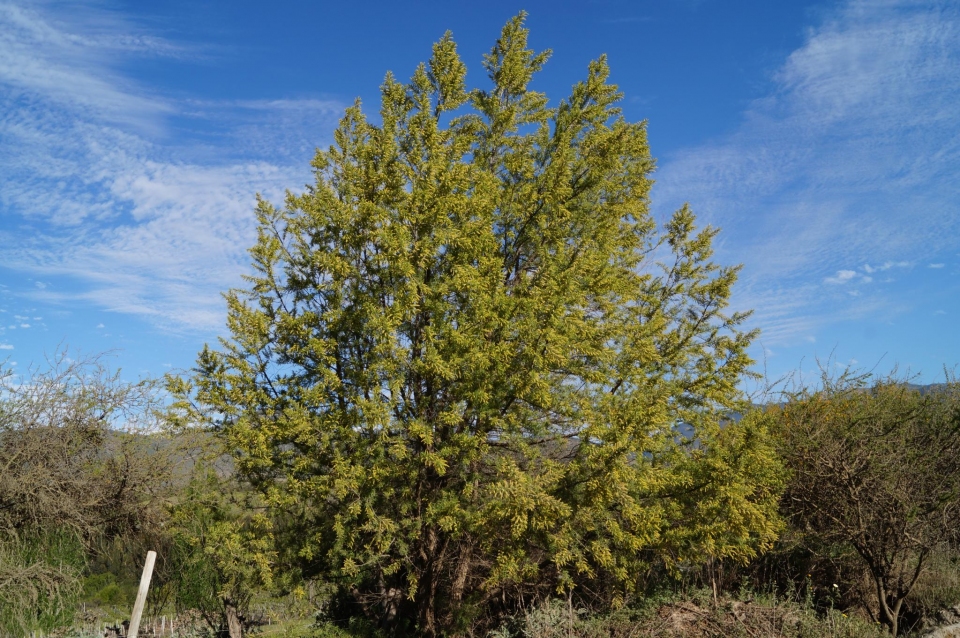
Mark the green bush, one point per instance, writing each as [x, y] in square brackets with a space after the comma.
[95, 583]
[356, 628]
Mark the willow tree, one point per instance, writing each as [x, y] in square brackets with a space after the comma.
[474, 368]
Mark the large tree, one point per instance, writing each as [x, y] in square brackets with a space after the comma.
[473, 369]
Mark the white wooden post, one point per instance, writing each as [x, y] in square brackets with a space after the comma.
[142, 594]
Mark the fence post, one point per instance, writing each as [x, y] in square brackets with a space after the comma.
[142, 594]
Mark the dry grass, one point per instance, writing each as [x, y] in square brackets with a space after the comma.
[695, 617]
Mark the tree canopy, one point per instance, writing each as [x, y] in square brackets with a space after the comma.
[469, 367]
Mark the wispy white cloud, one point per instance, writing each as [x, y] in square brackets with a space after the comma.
[842, 277]
[72, 67]
[5, 346]
[850, 159]
[936, 265]
[886, 266]
[93, 186]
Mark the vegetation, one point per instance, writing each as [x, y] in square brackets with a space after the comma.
[876, 467]
[473, 389]
[461, 365]
[222, 553]
[694, 613]
[73, 475]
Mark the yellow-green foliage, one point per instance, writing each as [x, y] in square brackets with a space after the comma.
[222, 552]
[467, 353]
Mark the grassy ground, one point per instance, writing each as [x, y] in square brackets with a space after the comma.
[693, 614]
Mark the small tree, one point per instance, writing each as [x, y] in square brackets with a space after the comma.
[876, 465]
[460, 366]
[222, 554]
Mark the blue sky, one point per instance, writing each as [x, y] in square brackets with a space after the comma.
[822, 137]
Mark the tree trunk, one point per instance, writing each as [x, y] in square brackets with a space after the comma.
[427, 585]
[888, 615]
[234, 626]
[462, 571]
[426, 601]
[895, 625]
